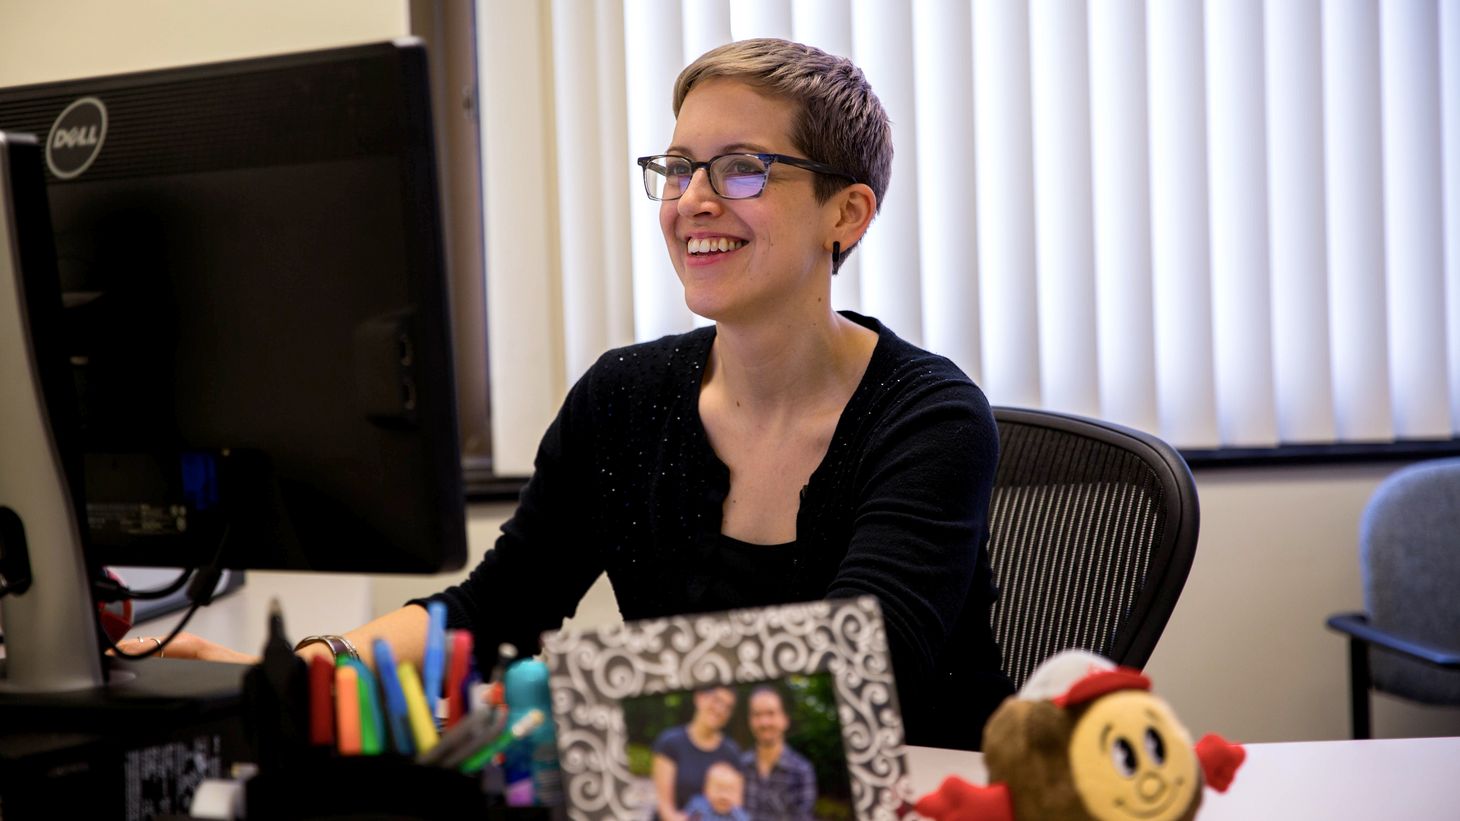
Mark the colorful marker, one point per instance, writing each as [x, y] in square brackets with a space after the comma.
[423, 727]
[456, 676]
[397, 715]
[347, 708]
[321, 705]
[433, 665]
[372, 723]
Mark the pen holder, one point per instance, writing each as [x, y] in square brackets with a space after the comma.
[300, 777]
[387, 786]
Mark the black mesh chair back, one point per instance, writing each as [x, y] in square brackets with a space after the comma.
[1093, 528]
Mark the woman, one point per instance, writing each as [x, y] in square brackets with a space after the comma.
[684, 755]
[789, 452]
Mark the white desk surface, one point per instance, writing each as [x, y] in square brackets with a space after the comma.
[1408, 778]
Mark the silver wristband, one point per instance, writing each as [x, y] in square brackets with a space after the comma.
[338, 645]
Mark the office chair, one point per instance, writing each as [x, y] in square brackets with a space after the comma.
[1093, 528]
[1409, 555]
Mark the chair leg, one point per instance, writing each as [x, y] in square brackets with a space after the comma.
[1358, 673]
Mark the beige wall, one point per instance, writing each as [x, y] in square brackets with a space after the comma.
[63, 39]
[1246, 653]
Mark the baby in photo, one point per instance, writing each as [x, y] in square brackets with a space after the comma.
[723, 796]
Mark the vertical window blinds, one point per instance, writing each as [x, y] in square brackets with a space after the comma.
[1232, 224]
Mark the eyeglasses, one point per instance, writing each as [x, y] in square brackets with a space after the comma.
[732, 176]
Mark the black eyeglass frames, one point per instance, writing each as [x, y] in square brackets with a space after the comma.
[736, 176]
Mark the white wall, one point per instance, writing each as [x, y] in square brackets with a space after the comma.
[1246, 653]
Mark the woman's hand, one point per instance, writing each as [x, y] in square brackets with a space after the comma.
[186, 646]
[405, 629]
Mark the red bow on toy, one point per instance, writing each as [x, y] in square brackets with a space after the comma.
[958, 800]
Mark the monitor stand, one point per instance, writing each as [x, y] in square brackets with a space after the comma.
[52, 656]
[50, 624]
[83, 735]
[137, 747]
[142, 695]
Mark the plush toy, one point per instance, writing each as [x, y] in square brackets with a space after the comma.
[1084, 739]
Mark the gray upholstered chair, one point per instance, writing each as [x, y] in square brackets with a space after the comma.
[1409, 554]
[1092, 531]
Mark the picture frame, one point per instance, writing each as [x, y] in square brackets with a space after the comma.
[593, 672]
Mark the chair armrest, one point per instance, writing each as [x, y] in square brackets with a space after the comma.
[1357, 625]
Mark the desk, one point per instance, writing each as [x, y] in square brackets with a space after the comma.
[1409, 778]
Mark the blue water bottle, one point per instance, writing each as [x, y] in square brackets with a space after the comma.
[533, 776]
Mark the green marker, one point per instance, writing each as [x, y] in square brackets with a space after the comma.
[372, 730]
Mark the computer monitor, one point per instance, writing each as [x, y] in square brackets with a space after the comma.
[255, 316]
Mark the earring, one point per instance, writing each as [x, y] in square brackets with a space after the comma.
[836, 257]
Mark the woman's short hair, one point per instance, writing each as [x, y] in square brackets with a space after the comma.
[840, 123]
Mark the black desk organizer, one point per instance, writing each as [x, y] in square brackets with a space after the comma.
[296, 780]
[324, 786]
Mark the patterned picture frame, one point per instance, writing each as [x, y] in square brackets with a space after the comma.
[593, 671]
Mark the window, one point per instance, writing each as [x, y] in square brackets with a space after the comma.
[1233, 224]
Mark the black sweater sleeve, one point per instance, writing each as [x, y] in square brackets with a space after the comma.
[919, 532]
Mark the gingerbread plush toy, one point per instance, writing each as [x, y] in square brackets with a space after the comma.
[1084, 740]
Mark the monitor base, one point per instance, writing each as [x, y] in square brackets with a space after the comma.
[134, 748]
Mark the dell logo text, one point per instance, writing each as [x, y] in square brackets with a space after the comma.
[75, 137]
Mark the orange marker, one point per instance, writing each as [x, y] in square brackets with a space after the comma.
[347, 708]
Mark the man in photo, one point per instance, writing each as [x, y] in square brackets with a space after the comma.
[779, 782]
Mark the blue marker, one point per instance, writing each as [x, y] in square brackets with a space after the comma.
[396, 713]
[434, 665]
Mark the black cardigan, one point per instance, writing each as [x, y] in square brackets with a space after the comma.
[626, 482]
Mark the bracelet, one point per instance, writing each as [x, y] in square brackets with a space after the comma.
[338, 645]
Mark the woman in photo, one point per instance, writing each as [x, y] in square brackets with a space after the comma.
[684, 755]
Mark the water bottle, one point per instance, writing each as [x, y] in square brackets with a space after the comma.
[533, 776]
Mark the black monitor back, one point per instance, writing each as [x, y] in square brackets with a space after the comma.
[256, 311]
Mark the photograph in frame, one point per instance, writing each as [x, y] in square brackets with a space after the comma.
[797, 714]
[825, 651]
